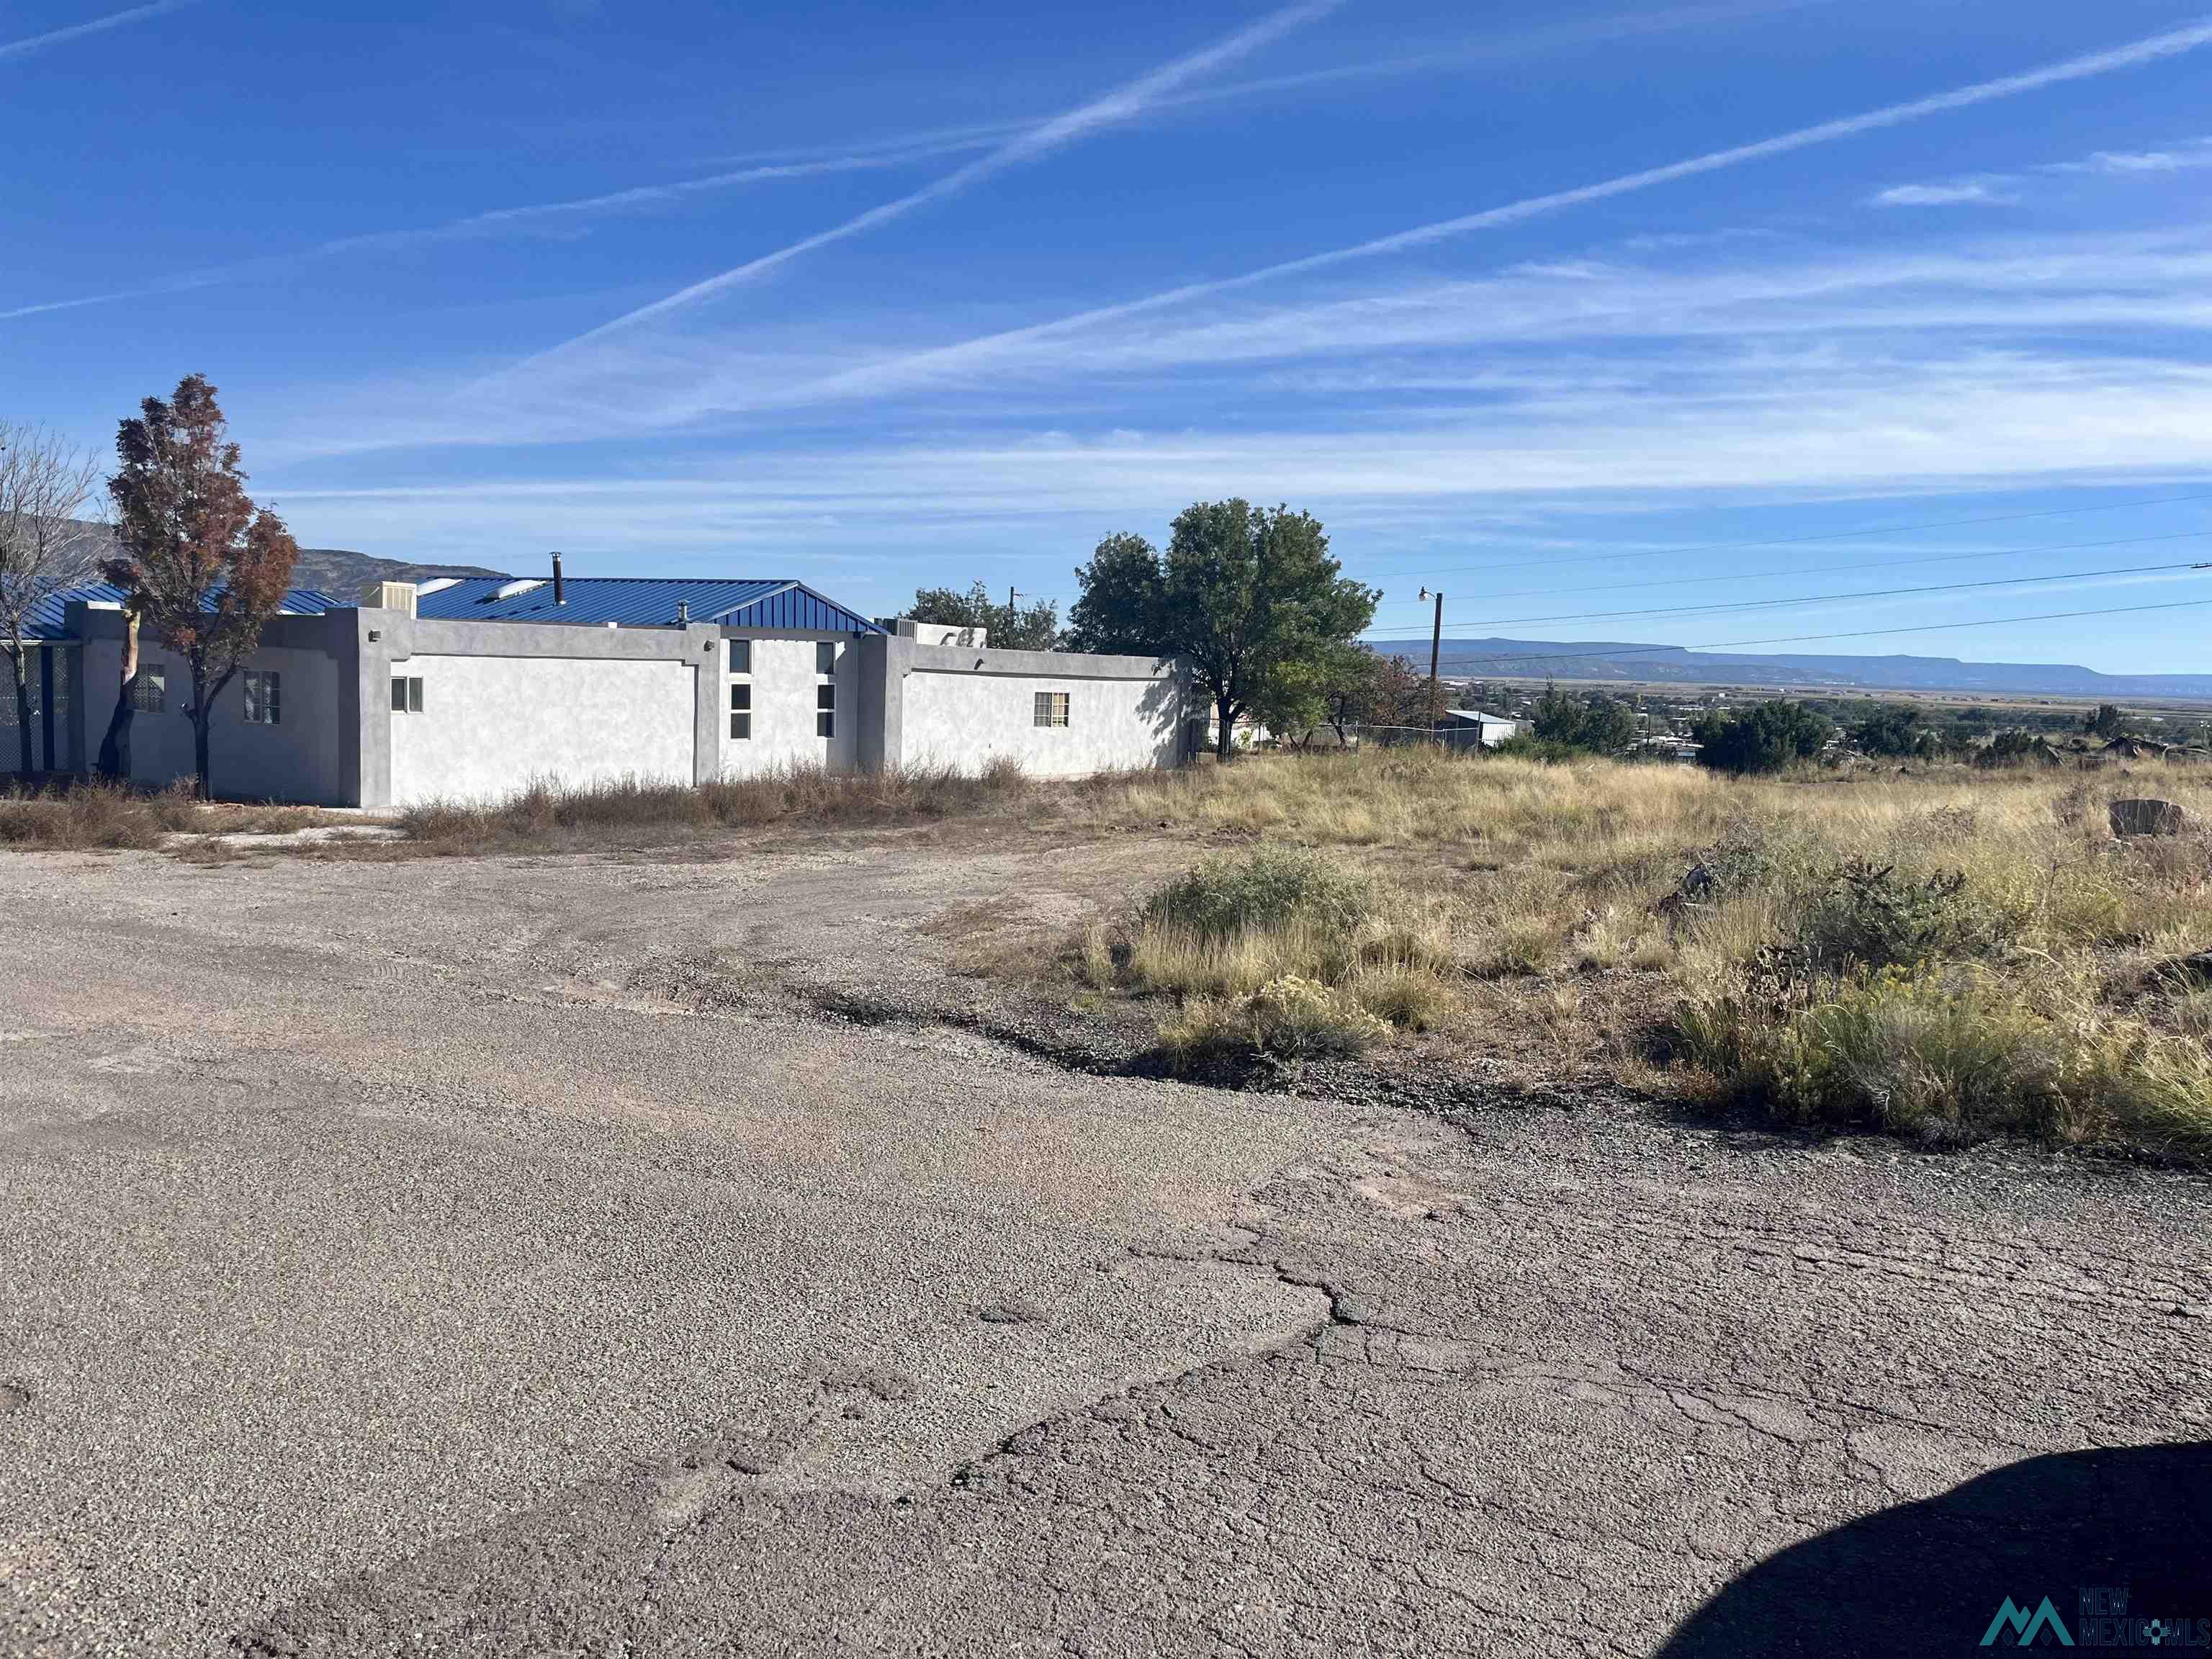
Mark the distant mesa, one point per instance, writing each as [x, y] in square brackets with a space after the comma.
[1609, 659]
[340, 571]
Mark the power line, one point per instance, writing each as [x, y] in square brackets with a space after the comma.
[1835, 599]
[1803, 639]
[1793, 541]
[1827, 570]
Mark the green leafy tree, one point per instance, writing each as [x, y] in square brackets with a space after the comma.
[1763, 738]
[1012, 627]
[1119, 610]
[1890, 729]
[1294, 700]
[2109, 720]
[1365, 688]
[201, 568]
[1596, 724]
[1248, 597]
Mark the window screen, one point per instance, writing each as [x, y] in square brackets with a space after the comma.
[264, 700]
[1051, 709]
[825, 657]
[741, 656]
[149, 691]
[30, 689]
[825, 725]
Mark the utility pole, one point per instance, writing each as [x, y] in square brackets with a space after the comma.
[1435, 645]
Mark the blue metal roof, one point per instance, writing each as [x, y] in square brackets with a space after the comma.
[646, 602]
[48, 616]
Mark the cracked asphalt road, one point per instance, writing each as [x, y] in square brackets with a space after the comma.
[493, 1257]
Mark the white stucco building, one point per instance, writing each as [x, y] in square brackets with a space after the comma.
[470, 690]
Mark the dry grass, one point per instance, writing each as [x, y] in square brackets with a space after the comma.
[85, 815]
[87, 818]
[631, 811]
[1946, 954]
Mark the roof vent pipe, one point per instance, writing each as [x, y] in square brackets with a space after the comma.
[683, 613]
[560, 592]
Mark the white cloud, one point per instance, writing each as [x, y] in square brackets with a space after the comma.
[2001, 188]
[1994, 190]
[2195, 153]
[1724, 422]
[1596, 322]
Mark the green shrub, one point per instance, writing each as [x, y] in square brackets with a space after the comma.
[1272, 887]
[1861, 917]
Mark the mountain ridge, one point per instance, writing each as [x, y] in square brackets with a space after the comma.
[1500, 658]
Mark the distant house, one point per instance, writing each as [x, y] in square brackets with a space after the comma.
[1471, 728]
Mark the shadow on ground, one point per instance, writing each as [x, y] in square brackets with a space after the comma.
[1928, 1578]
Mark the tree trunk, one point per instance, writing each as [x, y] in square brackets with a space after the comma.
[115, 747]
[1225, 710]
[203, 712]
[19, 669]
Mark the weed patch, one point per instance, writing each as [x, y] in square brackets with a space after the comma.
[1273, 888]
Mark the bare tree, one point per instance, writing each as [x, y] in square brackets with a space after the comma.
[201, 565]
[44, 549]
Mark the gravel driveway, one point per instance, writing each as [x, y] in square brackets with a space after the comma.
[497, 1256]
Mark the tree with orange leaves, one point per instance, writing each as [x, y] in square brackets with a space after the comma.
[201, 565]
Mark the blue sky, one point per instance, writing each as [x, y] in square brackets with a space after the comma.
[1567, 309]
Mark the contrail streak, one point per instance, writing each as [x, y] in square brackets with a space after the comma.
[2170, 44]
[1119, 105]
[30, 44]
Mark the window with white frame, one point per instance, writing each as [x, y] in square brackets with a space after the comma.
[825, 657]
[825, 711]
[741, 711]
[1051, 709]
[406, 694]
[741, 656]
[149, 688]
[264, 697]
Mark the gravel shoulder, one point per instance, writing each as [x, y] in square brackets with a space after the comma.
[511, 1256]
